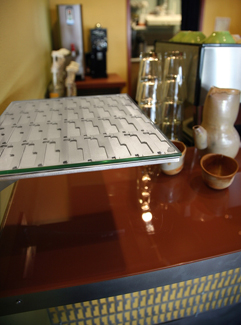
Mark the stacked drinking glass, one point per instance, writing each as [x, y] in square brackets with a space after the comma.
[149, 85]
[173, 95]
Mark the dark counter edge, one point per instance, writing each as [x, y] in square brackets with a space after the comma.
[104, 289]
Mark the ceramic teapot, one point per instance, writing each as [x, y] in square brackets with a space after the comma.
[217, 133]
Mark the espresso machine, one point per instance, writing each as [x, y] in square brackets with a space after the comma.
[71, 34]
[206, 65]
[98, 39]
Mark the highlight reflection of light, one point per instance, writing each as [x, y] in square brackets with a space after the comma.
[146, 178]
[145, 206]
[145, 194]
[150, 228]
[147, 216]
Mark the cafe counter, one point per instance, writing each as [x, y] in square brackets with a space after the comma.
[123, 245]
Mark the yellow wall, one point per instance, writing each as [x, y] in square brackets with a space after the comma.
[221, 8]
[111, 14]
[25, 49]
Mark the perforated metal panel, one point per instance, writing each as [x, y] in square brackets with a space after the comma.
[156, 305]
[78, 134]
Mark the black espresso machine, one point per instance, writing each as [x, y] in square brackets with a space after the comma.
[98, 39]
[206, 65]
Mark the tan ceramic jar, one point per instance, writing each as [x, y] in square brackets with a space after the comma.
[217, 133]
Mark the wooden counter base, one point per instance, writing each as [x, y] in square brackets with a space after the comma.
[113, 84]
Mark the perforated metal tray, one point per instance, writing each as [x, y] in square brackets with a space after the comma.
[67, 135]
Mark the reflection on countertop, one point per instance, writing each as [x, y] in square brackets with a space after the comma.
[82, 228]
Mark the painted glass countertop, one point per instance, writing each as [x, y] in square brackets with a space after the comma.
[75, 229]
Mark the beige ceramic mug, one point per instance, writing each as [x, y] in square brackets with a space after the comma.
[173, 168]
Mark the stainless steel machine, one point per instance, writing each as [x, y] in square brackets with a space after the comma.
[71, 33]
[207, 65]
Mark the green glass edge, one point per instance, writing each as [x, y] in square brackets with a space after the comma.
[92, 163]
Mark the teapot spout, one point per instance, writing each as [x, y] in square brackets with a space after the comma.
[200, 137]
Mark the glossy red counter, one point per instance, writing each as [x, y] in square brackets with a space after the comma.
[82, 230]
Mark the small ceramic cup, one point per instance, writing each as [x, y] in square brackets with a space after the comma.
[173, 168]
[218, 171]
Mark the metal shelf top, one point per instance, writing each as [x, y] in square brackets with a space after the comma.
[75, 134]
